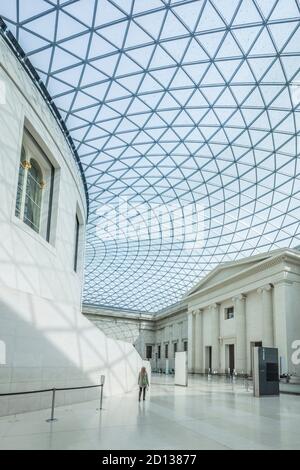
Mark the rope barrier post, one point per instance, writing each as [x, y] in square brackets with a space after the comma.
[50, 420]
[102, 382]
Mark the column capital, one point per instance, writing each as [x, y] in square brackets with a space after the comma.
[214, 305]
[240, 297]
[196, 311]
[265, 288]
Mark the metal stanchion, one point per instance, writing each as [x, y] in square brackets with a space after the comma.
[50, 420]
[54, 390]
[102, 381]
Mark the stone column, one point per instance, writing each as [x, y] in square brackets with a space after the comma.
[285, 306]
[191, 341]
[198, 341]
[267, 315]
[215, 336]
[241, 333]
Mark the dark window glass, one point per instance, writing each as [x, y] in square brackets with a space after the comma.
[229, 313]
[77, 228]
[148, 352]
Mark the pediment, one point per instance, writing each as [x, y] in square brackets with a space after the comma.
[225, 271]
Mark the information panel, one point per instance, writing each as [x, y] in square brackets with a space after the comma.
[181, 369]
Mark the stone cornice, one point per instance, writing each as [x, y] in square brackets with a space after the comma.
[98, 314]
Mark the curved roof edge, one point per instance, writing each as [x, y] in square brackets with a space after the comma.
[34, 76]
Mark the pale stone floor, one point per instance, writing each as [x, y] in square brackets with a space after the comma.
[209, 414]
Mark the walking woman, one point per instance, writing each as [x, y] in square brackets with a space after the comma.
[143, 382]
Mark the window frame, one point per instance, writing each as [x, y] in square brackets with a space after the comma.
[76, 246]
[37, 154]
[229, 312]
[149, 348]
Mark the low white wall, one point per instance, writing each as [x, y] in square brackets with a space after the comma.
[50, 344]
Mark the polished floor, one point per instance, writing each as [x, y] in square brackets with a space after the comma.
[209, 414]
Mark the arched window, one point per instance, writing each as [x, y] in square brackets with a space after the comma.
[34, 192]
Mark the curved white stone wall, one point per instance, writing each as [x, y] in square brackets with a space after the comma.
[48, 342]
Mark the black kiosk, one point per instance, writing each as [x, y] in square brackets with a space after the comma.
[266, 371]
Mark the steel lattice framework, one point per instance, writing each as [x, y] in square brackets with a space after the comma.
[174, 103]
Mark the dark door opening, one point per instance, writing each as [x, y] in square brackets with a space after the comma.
[231, 358]
[208, 358]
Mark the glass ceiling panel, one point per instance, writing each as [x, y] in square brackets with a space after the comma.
[185, 115]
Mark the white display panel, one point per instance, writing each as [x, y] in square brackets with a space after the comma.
[181, 370]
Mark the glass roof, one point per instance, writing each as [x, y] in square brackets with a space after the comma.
[185, 115]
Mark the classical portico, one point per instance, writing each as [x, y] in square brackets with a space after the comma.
[241, 305]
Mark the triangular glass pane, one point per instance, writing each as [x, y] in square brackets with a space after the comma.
[136, 36]
[247, 13]
[229, 47]
[152, 22]
[246, 37]
[43, 26]
[176, 48]
[263, 45]
[211, 42]
[68, 26]
[115, 34]
[209, 19]
[99, 46]
[284, 10]
[195, 53]
[107, 13]
[189, 13]
[172, 27]
[26, 10]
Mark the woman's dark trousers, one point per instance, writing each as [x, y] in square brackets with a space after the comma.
[142, 389]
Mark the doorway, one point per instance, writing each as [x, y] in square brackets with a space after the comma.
[208, 358]
[230, 359]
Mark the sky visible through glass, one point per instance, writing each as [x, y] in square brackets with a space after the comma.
[185, 115]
